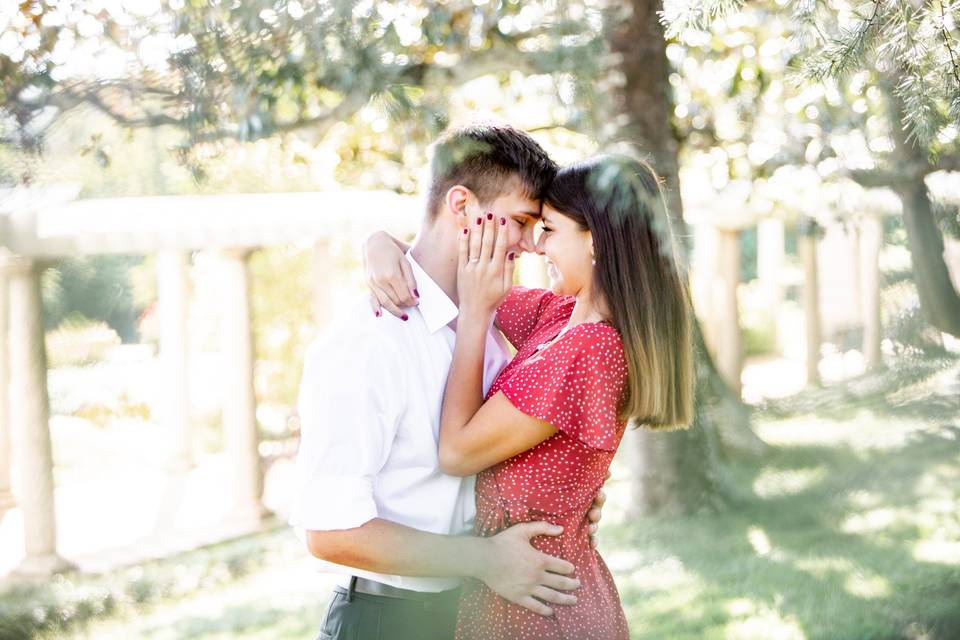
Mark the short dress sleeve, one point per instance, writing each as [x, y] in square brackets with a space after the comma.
[576, 384]
[519, 312]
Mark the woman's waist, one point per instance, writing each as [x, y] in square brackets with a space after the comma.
[570, 544]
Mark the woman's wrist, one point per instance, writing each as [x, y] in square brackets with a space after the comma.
[474, 315]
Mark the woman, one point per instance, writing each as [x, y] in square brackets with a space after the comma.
[609, 342]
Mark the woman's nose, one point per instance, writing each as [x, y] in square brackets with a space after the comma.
[538, 247]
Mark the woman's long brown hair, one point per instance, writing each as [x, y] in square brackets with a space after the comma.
[639, 279]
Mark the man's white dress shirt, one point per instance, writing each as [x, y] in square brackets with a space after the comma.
[370, 401]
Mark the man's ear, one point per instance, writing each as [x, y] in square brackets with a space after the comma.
[458, 196]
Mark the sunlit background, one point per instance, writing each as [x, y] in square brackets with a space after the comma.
[184, 189]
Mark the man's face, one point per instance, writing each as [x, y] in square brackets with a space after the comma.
[522, 214]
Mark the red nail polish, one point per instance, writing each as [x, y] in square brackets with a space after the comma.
[376, 313]
[466, 231]
[479, 220]
[512, 255]
[489, 216]
[404, 317]
[503, 221]
[416, 293]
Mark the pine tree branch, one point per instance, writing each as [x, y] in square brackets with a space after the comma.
[946, 43]
[905, 174]
[847, 50]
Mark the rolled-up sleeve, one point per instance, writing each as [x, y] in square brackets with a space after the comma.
[350, 405]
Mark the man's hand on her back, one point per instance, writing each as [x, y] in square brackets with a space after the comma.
[517, 571]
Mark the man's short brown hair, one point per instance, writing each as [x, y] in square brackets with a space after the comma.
[485, 157]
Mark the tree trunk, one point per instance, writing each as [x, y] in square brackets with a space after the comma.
[938, 297]
[679, 472]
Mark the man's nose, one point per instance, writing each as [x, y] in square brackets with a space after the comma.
[527, 243]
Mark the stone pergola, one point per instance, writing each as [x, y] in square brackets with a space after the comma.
[718, 222]
[39, 226]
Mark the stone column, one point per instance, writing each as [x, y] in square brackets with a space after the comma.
[809, 232]
[703, 280]
[771, 255]
[174, 410]
[729, 344]
[871, 241]
[239, 405]
[30, 420]
[6, 496]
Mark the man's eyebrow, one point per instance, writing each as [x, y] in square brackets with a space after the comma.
[532, 214]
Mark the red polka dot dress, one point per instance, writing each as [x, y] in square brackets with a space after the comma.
[576, 383]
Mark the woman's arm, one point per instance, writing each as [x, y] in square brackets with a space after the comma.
[388, 274]
[475, 435]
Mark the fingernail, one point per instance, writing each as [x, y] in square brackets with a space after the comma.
[489, 216]
[503, 221]
[416, 293]
[404, 317]
[466, 231]
[376, 313]
[479, 220]
[511, 256]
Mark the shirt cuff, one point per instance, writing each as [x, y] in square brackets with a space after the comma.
[332, 503]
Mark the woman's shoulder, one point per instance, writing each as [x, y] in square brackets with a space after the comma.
[596, 336]
[594, 349]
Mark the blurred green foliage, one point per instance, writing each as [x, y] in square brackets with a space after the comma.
[92, 288]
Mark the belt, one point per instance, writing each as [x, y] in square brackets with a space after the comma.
[374, 588]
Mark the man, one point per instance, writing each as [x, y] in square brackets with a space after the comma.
[371, 498]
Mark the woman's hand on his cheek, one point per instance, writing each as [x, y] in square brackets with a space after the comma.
[485, 271]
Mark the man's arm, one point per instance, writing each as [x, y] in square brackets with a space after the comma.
[507, 562]
[349, 416]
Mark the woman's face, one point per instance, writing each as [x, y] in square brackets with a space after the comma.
[569, 253]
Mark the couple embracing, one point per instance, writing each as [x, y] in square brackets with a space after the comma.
[453, 487]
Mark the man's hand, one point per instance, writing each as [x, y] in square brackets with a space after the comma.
[596, 512]
[517, 571]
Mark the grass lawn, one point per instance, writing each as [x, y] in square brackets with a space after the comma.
[852, 531]
[848, 528]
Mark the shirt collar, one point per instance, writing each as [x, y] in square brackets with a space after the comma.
[436, 308]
